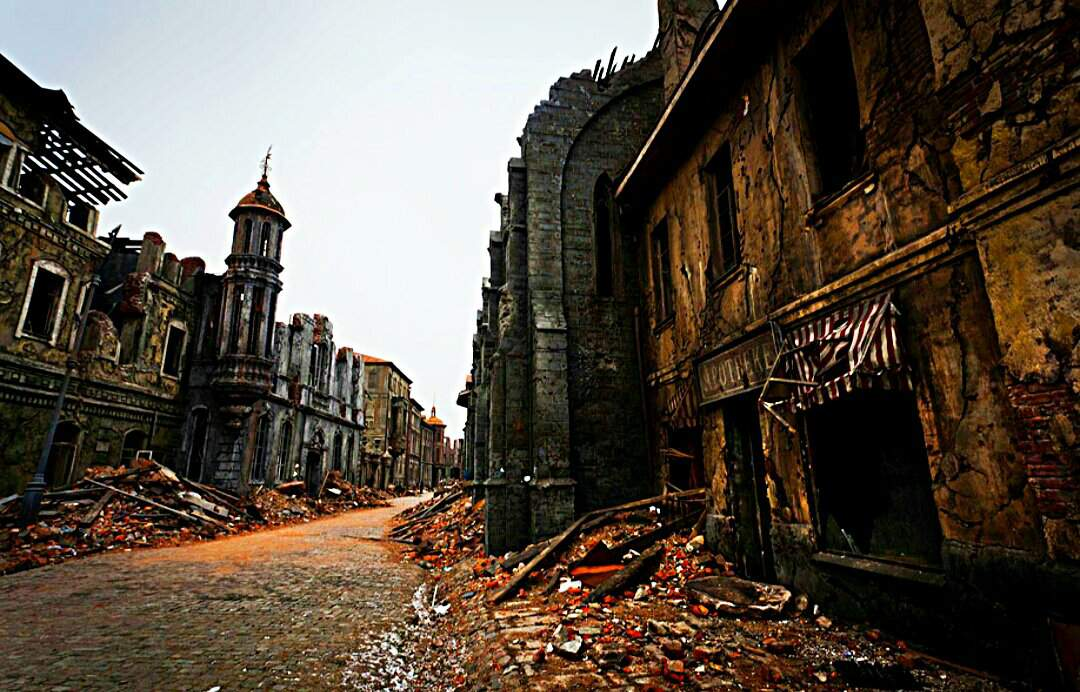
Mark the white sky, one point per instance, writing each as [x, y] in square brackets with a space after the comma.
[391, 122]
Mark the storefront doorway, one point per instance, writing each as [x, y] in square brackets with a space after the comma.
[747, 495]
[686, 469]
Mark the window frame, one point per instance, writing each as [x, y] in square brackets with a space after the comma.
[180, 327]
[720, 180]
[70, 204]
[663, 282]
[285, 435]
[12, 176]
[260, 450]
[58, 319]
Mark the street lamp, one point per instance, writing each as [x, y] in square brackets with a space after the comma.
[35, 489]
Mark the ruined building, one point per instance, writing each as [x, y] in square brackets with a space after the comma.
[187, 366]
[850, 237]
[556, 413]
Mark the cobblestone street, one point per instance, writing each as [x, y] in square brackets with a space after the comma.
[307, 606]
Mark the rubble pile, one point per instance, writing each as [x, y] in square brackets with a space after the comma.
[148, 505]
[443, 530]
[631, 597]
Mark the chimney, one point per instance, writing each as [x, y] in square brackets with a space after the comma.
[680, 21]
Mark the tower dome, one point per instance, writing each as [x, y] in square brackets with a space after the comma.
[260, 200]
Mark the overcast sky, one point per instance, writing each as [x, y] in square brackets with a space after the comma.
[391, 125]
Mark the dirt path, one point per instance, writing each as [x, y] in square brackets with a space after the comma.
[307, 606]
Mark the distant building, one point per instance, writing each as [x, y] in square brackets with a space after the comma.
[388, 404]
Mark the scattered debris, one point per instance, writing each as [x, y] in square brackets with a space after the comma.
[148, 505]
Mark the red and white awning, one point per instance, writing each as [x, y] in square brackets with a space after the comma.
[855, 347]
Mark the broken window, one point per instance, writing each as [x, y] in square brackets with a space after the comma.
[603, 237]
[259, 454]
[337, 452]
[44, 304]
[270, 326]
[239, 298]
[724, 252]
[663, 290]
[831, 104]
[872, 477]
[264, 240]
[313, 365]
[77, 214]
[283, 471]
[6, 148]
[248, 231]
[197, 451]
[134, 442]
[131, 333]
[258, 319]
[27, 180]
[174, 348]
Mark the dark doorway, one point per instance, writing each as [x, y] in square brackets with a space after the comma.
[686, 469]
[747, 496]
[313, 472]
[62, 456]
[873, 479]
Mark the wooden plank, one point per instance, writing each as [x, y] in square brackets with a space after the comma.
[183, 515]
[92, 514]
[640, 568]
[557, 543]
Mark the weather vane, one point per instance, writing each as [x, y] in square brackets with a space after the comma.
[266, 161]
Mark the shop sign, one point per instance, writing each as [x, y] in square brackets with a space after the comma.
[737, 369]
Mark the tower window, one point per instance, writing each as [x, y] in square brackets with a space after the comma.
[239, 298]
[249, 230]
[603, 240]
[663, 289]
[270, 326]
[258, 318]
[44, 304]
[174, 349]
[280, 240]
[725, 252]
[831, 103]
[264, 240]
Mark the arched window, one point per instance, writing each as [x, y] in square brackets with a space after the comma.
[264, 240]
[337, 451]
[262, 449]
[64, 454]
[284, 473]
[197, 448]
[603, 237]
[280, 240]
[349, 457]
[134, 440]
[248, 231]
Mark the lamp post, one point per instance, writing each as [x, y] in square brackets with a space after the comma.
[35, 489]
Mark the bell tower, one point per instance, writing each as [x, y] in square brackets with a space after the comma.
[243, 375]
[249, 291]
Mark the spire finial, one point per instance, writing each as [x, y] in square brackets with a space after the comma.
[266, 162]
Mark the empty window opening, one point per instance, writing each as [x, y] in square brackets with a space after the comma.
[134, 442]
[725, 252]
[270, 326]
[174, 349]
[197, 451]
[831, 104]
[261, 451]
[277, 248]
[27, 180]
[131, 334]
[603, 237]
[264, 240]
[248, 231]
[77, 214]
[258, 320]
[873, 479]
[337, 452]
[6, 148]
[239, 298]
[63, 455]
[43, 310]
[284, 472]
[663, 290]
[313, 365]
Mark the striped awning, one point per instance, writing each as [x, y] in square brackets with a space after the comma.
[855, 347]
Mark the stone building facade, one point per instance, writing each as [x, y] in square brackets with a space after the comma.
[554, 358]
[388, 405]
[189, 367]
[857, 237]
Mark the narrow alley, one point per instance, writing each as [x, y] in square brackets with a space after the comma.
[307, 606]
